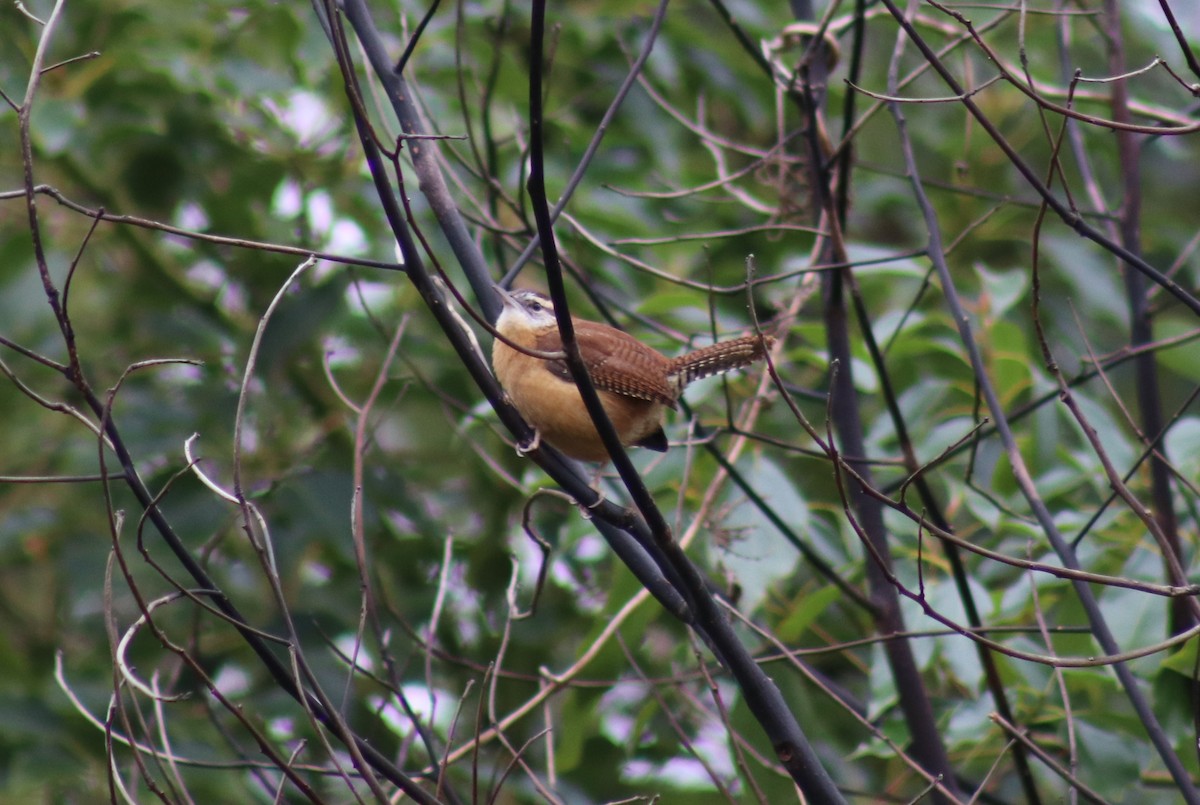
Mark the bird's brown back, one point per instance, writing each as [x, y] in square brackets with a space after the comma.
[616, 361]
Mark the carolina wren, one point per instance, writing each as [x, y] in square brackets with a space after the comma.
[635, 382]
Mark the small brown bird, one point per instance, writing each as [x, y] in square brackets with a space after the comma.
[635, 382]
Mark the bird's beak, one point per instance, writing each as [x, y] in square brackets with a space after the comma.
[505, 296]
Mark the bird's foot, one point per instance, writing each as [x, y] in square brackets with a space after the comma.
[524, 448]
[588, 510]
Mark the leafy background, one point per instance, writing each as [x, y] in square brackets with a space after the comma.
[231, 120]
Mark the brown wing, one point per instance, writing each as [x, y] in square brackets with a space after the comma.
[616, 361]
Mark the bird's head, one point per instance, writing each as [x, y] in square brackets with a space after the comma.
[525, 310]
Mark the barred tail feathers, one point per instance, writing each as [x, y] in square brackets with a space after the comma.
[721, 357]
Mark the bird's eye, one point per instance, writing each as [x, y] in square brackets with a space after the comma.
[536, 307]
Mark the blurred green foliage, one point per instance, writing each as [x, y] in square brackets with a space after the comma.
[230, 119]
